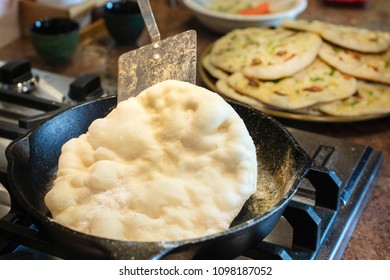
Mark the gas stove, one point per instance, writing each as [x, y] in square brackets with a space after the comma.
[317, 224]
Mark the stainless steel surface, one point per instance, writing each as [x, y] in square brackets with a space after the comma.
[23, 87]
[171, 58]
[50, 86]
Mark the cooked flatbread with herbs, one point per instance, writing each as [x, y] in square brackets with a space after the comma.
[354, 38]
[317, 83]
[370, 98]
[265, 53]
[373, 67]
[224, 88]
[212, 70]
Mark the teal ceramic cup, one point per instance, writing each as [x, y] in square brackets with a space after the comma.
[123, 20]
[55, 39]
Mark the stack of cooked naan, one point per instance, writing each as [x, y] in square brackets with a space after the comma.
[309, 67]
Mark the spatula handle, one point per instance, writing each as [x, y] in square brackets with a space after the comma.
[150, 22]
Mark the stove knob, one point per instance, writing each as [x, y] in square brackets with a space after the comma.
[15, 71]
[86, 87]
[16, 76]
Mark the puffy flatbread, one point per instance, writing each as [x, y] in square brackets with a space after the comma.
[317, 83]
[354, 38]
[265, 53]
[370, 98]
[373, 67]
[175, 162]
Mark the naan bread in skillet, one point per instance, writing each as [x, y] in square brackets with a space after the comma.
[373, 67]
[370, 98]
[317, 83]
[265, 53]
[358, 39]
[175, 162]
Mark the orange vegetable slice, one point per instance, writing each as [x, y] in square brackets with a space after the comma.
[261, 9]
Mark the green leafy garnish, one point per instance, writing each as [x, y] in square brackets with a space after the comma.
[332, 71]
[316, 79]
[387, 63]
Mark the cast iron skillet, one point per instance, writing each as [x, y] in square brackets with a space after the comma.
[32, 164]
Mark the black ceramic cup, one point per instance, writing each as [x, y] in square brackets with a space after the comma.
[123, 20]
[55, 39]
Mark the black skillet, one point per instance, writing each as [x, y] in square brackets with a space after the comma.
[32, 165]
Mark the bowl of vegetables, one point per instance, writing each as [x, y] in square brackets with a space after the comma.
[223, 16]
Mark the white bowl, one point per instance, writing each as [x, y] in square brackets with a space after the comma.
[223, 22]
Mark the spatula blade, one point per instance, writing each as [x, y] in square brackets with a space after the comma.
[140, 69]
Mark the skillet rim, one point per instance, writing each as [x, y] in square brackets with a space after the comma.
[44, 219]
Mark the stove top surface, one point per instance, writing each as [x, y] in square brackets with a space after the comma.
[317, 224]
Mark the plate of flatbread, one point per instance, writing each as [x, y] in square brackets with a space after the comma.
[277, 71]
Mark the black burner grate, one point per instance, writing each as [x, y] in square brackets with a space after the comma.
[323, 214]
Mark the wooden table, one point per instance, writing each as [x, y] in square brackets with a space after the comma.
[99, 54]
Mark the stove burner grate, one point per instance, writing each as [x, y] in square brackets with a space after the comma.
[320, 229]
[319, 220]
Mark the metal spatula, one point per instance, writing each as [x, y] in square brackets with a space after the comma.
[171, 58]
